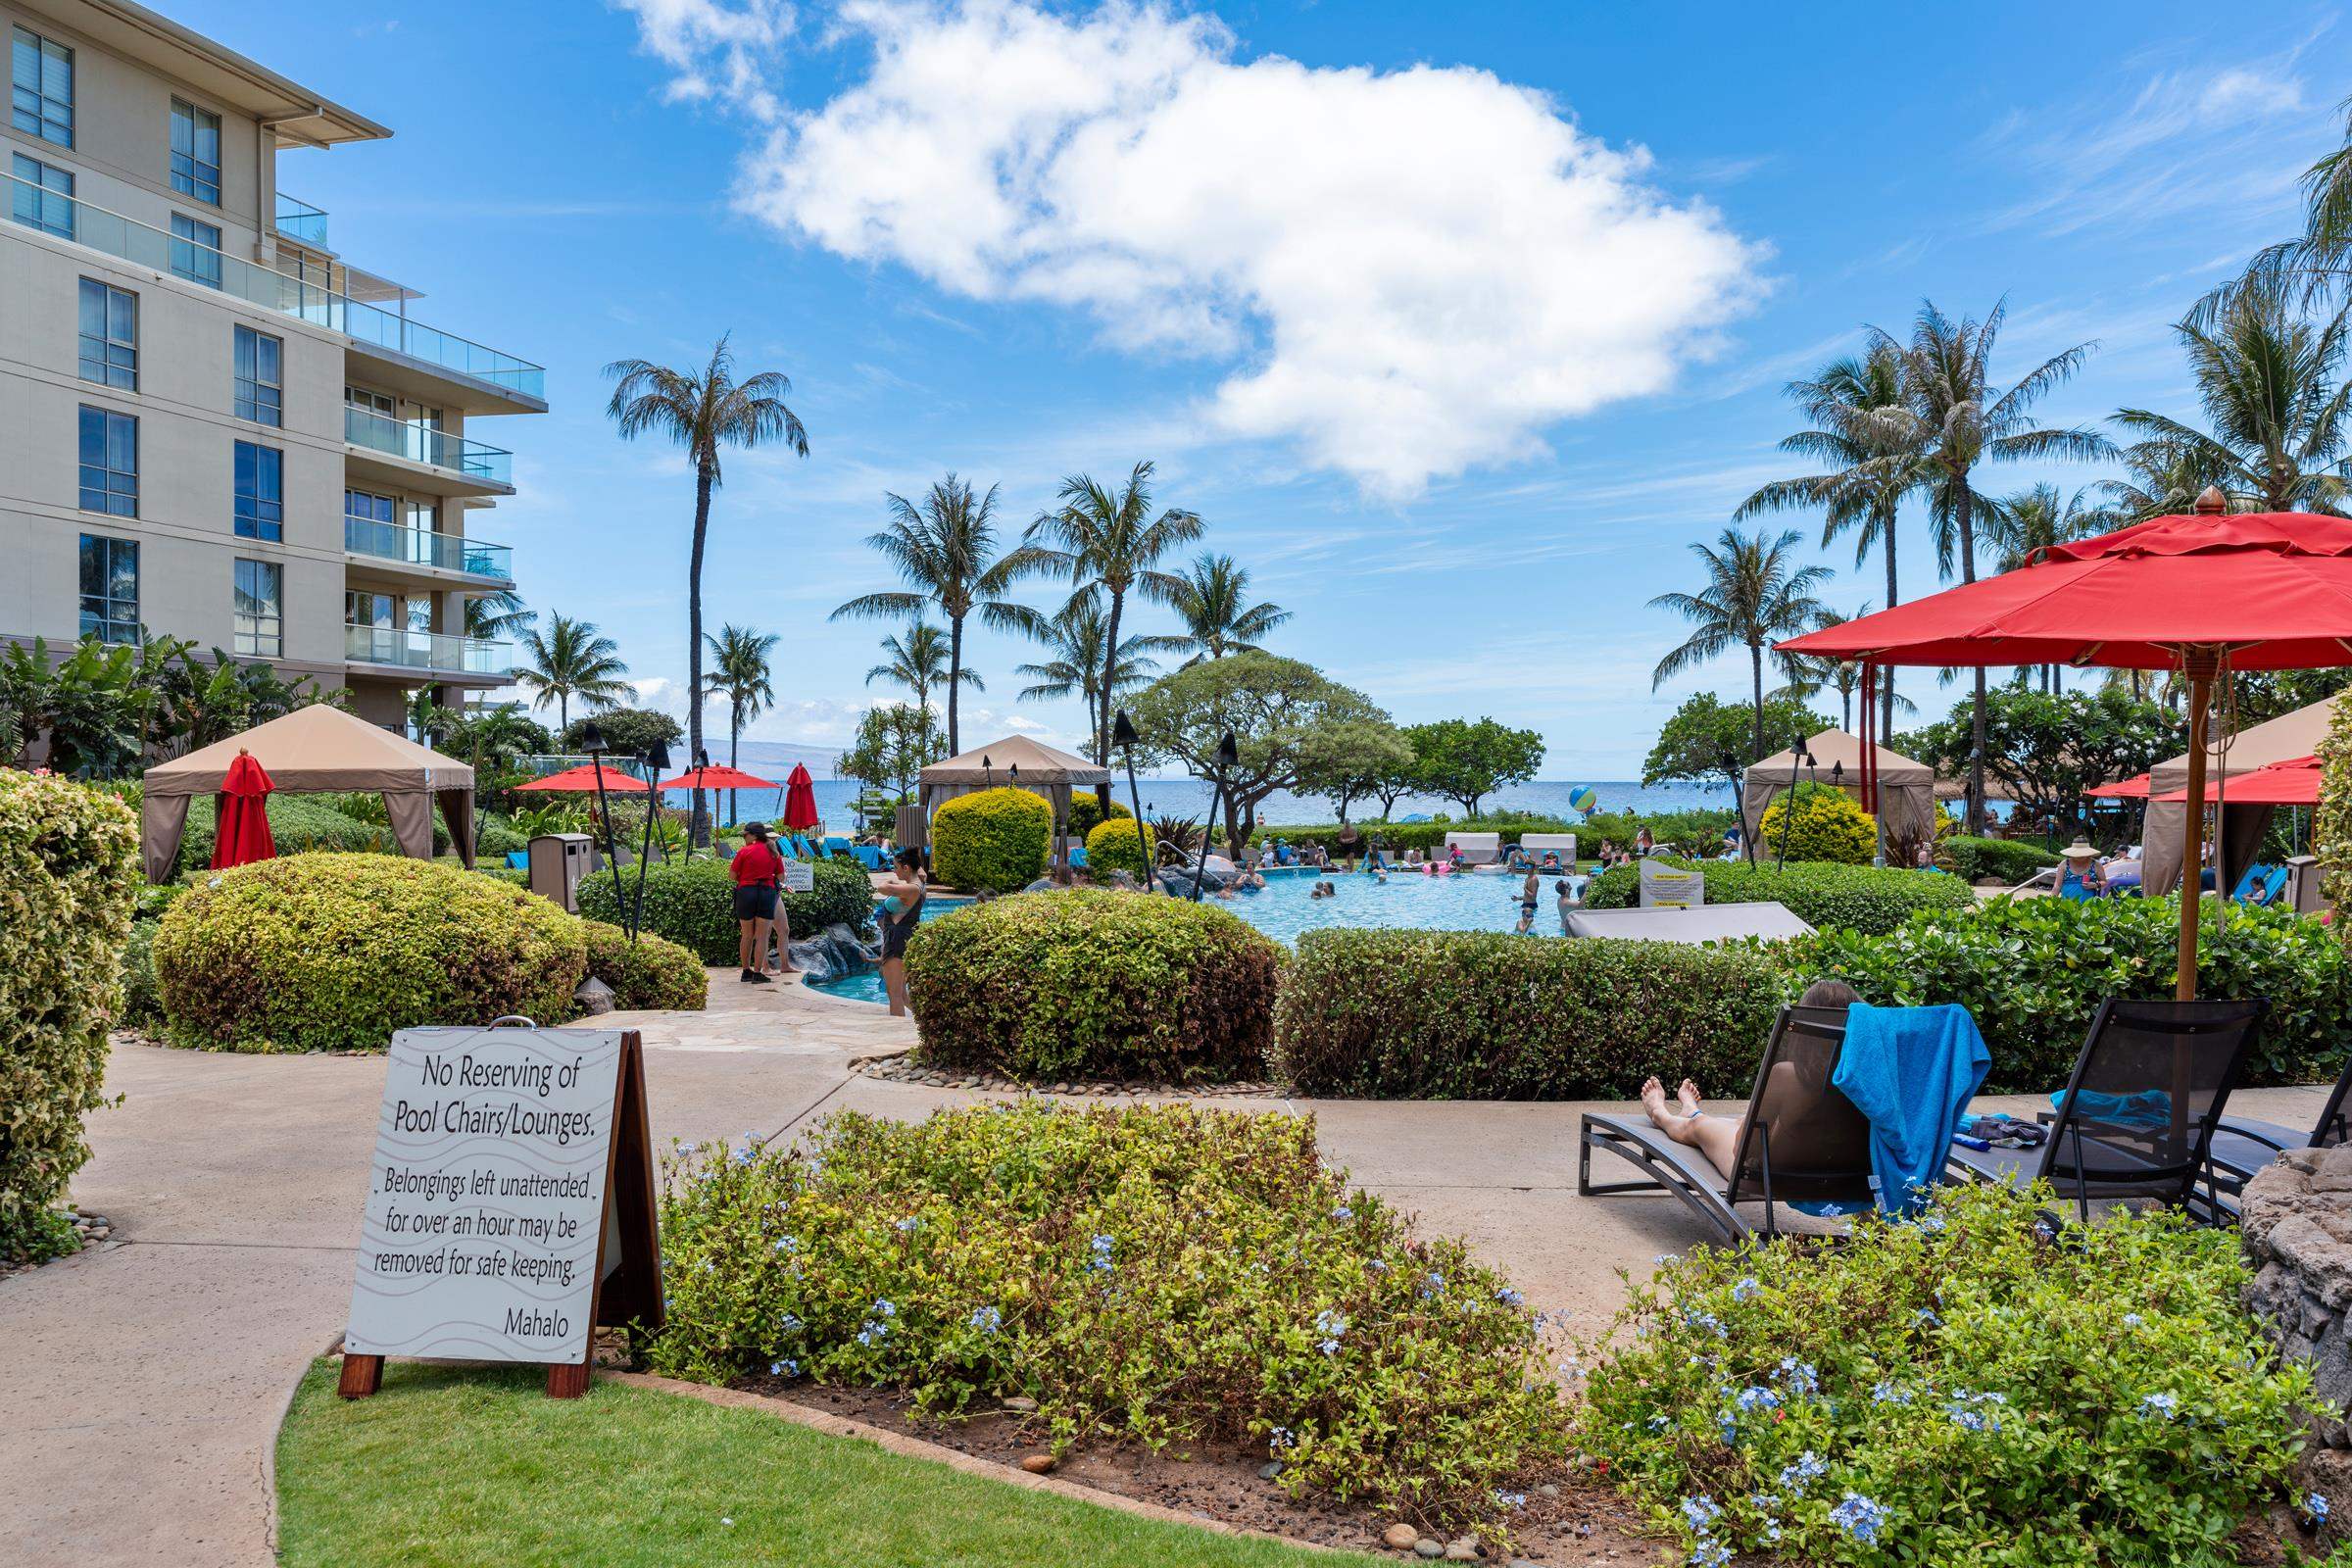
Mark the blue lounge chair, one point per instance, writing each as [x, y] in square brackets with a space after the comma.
[2255, 875]
[518, 859]
[1078, 854]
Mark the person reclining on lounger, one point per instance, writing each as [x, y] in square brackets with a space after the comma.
[1718, 1137]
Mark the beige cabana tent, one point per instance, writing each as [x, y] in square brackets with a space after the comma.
[1040, 767]
[2163, 835]
[318, 748]
[1906, 789]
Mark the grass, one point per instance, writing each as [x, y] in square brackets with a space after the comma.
[451, 1466]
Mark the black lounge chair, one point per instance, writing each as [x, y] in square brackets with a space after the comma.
[2242, 1146]
[2140, 1114]
[1801, 1141]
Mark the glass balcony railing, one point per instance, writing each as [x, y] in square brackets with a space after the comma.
[422, 547]
[299, 220]
[421, 443]
[67, 217]
[425, 650]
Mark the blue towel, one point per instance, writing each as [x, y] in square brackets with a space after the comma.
[2145, 1107]
[1911, 1072]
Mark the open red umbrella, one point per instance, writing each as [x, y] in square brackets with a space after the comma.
[800, 800]
[2205, 594]
[2295, 783]
[241, 819]
[2131, 789]
[710, 778]
[581, 780]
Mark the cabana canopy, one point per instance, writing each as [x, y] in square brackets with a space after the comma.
[2244, 822]
[1906, 789]
[1049, 772]
[313, 749]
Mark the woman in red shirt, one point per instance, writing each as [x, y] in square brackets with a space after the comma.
[756, 867]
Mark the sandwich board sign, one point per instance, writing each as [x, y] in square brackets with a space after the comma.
[511, 1204]
[1665, 888]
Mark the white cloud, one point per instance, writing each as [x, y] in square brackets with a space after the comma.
[1416, 271]
[716, 50]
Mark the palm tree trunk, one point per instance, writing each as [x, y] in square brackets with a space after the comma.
[1756, 659]
[734, 736]
[698, 830]
[563, 715]
[955, 681]
[1886, 675]
[1976, 719]
[1110, 669]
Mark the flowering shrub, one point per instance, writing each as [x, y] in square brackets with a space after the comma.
[1830, 825]
[991, 841]
[1164, 1274]
[1859, 897]
[1954, 1391]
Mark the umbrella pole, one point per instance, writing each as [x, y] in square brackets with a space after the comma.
[2199, 664]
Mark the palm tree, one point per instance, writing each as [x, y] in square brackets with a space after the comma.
[1755, 595]
[2279, 412]
[1077, 642]
[946, 552]
[2020, 526]
[920, 659]
[570, 658]
[2315, 266]
[1110, 543]
[498, 614]
[1212, 602]
[1966, 419]
[2167, 477]
[1862, 431]
[739, 672]
[702, 413]
[1811, 675]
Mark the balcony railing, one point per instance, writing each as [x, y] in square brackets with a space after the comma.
[425, 650]
[421, 443]
[299, 220]
[422, 547]
[134, 241]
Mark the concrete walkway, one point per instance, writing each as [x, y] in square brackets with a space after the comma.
[142, 1382]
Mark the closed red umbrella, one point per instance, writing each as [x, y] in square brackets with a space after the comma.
[800, 800]
[581, 780]
[241, 818]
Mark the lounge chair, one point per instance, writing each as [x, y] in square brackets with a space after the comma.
[2242, 1146]
[518, 859]
[1801, 1142]
[2138, 1115]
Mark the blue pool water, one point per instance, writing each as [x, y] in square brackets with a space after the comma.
[1474, 901]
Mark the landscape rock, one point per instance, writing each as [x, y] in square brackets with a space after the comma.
[2297, 1231]
[1037, 1464]
[1021, 1405]
[1399, 1537]
[1267, 1472]
[1429, 1546]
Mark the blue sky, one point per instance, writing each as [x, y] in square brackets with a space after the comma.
[1457, 323]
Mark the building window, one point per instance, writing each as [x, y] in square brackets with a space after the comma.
[379, 611]
[110, 461]
[42, 196]
[196, 249]
[41, 88]
[109, 335]
[261, 492]
[261, 378]
[110, 588]
[261, 609]
[196, 151]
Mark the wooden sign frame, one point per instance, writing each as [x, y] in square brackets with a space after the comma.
[632, 1289]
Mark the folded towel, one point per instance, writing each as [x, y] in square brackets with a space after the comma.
[1911, 1072]
[2145, 1107]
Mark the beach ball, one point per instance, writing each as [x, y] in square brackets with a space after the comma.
[1583, 798]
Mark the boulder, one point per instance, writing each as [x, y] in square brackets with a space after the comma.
[2297, 1231]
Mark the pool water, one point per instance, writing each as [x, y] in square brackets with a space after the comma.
[1468, 901]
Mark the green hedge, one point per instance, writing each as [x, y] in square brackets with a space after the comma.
[1086, 816]
[1860, 898]
[647, 975]
[1485, 1015]
[297, 824]
[69, 873]
[1092, 983]
[336, 952]
[692, 903]
[2004, 860]
[2032, 972]
[142, 998]
[991, 841]
[1119, 845]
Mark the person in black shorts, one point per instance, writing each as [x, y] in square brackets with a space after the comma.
[901, 911]
[757, 866]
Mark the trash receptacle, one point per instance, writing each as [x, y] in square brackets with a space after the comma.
[559, 863]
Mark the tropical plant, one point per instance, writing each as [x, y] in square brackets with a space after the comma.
[946, 552]
[196, 703]
[2166, 479]
[2315, 266]
[703, 413]
[2053, 746]
[1076, 642]
[1467, 760]
[692, 903]
[1816, 822]
[739, 672]
[1374, 761]
[920, 659]
[1120, 843]
[1755, 594]
[1212, 600]
[895, 743]
[1108, 542]
[571, 660]
[1967, 420]
[2021, 525]
[498, 614]
[627, 731]
[1815, 675]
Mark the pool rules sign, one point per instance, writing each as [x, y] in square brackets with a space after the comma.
[511, 1206]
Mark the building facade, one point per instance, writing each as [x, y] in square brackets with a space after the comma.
[212, 425]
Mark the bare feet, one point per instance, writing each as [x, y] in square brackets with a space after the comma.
[1689, 1097]
[1654, 1101]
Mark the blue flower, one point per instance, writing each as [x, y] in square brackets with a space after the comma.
[1510, 1499]
[1969, 1413]
[1102, 1246]
[1806, 1469]
[1664, 1258]
[1333, 1327]
[1889, 1394]
[1926, 1319]
[873, 1334]
[1432, 1284]
[1932, 1222]
[885, 1309]
[911, 1222]
[2315, 1505]
[1280, 1438]
[788, 1244]
[1859, 1517]
[2166, 1405]
[1803, 1380]
[1660, 1423]
[2132, 1320]
[1755, 1397]
[1342, 1213]
[1510, 1297]
[1378, 1266]
[1710, 1553]
[789, 1323]
[1700, 1511]
[1744, 1288]
[786, 1368]
[1707, 1321]
[987, 1319]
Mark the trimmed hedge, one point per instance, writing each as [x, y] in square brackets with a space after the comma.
[692, 903]
[1086, 816]
[1859, 897]
[336, 952]
[1119, 845]
[2032, 972]
[142, 998]
[69, 873]
[991, 841]
[651, 975]
[1485, 1015]
[1091, 983]
[296, 826]
[2004, 860]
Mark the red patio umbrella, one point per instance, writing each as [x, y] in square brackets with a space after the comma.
[2295, 783]
[241, 821]
[2129, 789]
[581, 780]
[711, 777]
[800, 800]
[2204, 593]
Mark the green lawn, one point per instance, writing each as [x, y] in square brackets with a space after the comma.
[451, 1466]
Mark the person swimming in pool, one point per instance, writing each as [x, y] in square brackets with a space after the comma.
[1529, 892]
[1566, 900]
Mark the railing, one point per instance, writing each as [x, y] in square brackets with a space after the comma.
[424, 649]
[299, 220]
[134, 241]
[422, 547]
[421, 443]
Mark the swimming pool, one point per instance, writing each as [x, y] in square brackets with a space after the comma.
[1469, 901]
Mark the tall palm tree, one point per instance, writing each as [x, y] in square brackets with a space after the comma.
[1108, 542]
[2314, 268]
[2166, 479]
[1077, 644]
[921, 659]
[1811, 675]
[2279, 411]
[571, 660]
[1871, 449]
[703, 412]
[739, 672]
[1212, 600]
[946, 552]
[1967, 420]
[2020, 526]
[498, 614]
[1755, 595]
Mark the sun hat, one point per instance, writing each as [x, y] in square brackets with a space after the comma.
[2080, 849]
